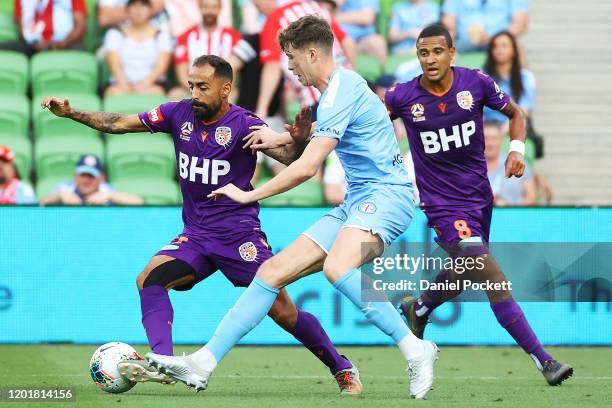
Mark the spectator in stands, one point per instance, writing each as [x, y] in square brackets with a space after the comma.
[48, 25]
[506, 191]
[89, 187]
[12, 189]
[408, 18]
[185, 14]
[138, 54]
[503, 64]
[206, 38]
[358, 19]
[114, 12]
[474, 22]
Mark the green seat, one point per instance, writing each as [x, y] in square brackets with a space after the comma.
[22, 147]
[64, 72]
[14, 114]
[307, 194]
[47, 124]
[132, 103]
[395, 60]
[13, 73]
[93, 33]
[46, 186]
[368, 67]
[154, 191]
[471, 59]
[292, 109]
[140, 155]
[8, 28]
[57, 156]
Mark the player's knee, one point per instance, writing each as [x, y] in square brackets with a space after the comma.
[333, 270]
[142, 276]
[269, 272]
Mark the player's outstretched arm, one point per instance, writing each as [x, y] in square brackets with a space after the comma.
[295, 174]
[107, 122]
[515, 162]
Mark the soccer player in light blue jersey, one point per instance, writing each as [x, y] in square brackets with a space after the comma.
[377, 209]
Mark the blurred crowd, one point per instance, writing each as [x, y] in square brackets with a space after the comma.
[146, 47]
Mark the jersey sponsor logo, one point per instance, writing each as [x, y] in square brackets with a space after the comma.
[248, 251]
[418, 112]
[209, 171]
[186, 129]
[397, 159]
[367, 207]
[434, 141]
[223, 135]
[155, 115]
[465, 100]
[328, 130]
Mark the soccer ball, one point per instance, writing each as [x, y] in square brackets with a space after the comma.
[103, 367]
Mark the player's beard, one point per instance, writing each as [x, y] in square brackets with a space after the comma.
[209, 20]
[203, 111]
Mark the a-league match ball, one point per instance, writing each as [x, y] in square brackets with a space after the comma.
[103, 366]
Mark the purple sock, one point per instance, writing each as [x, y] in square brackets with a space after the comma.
[309, 332]
[157, 316]
[430, 299]
[510, 316]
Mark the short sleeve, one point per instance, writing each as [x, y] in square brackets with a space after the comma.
[390, 102]
[246, 48]
[519, 6]
[492, 95]
[270, 50]
[180, 52]
[159, 119]
[164, 42]
[451, 7]
[25, 194]
[335, 109]
[253, 120]
[112, 39]
[79, 6]
[338, 31]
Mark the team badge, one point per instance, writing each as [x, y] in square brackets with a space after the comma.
[465, 100]
[418, 112]
[367, 208]
[204, 136]
[223, 135]
[248, 251]
[186, 129]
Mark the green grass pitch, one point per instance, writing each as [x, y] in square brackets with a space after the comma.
[284, 377]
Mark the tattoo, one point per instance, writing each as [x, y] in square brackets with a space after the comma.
[103, 121]
[289, 153]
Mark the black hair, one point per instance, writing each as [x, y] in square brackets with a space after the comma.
[145, 2]
[435, 30]
[490, 66]
[223, 69]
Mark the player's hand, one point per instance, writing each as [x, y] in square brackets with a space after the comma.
[57, 106]
[302, 124]
[233, 193]
[262, 138]
[515, 165]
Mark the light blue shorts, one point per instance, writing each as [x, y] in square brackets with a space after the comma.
[384, 210]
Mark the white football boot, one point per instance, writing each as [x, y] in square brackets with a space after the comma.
[141, 371]
[421, 371]
[181, 368]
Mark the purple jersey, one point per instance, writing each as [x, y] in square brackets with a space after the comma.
[445, 133]
[209, 156]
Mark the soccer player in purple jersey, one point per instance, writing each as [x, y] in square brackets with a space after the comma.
[442, 113]
[218, 233]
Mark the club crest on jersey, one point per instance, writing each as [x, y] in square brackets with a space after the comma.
[367, 207]
[186, 129]
[223, 135]
[465, 100]
[418, 112]
[248, 251]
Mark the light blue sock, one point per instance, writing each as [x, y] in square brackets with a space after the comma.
[249, 310]
[382, 314]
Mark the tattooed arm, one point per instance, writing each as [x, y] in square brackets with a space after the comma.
[106, 122]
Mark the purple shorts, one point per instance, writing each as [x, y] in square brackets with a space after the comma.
[462, 232]
[238, 257]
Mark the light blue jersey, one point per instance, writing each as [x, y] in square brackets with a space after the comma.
[379, 196]
[351, 113]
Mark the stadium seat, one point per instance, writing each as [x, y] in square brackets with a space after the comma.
[292, 109]
[140, 155]
[8, 28]
[14, 114]
[394, 61]
[154, 191]
[368, 67]
[64, 72]
[22, 147]
[471, 59]
[13, 73]
[57, 156]
[308, 194]
[47, 124]
[132, 103]
[46, 186]
[93, 34]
